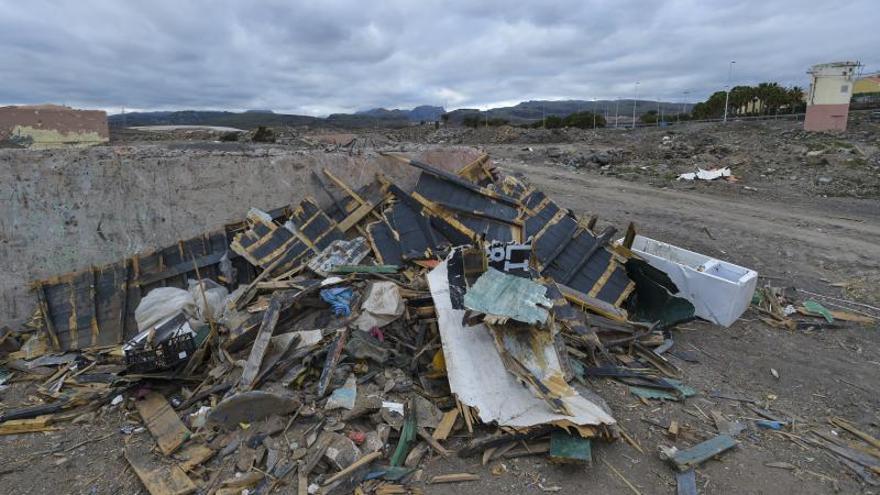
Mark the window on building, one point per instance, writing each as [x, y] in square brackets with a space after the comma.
[844, 88]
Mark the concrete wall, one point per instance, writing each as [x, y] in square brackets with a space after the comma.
[68, 209]
[52, 126]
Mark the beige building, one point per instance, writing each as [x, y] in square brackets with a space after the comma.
[831, 88]
[52, 126]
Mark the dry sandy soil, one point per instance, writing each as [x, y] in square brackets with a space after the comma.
[791, 237]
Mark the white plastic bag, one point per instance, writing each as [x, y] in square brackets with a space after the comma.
[161, 304]
[382, 306]
[215, 294]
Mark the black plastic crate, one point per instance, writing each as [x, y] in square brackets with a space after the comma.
[166, 355]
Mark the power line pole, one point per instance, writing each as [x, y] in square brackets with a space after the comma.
[659, 112]
[594, 113]
[727, 94]
[616, 108]
[635, 104]
[683, 101]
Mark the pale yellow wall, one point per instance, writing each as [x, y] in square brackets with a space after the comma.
[867, 85]
[49, 138]
[830, 91]
[832, 84]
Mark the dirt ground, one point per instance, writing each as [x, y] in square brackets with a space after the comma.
[793, 236]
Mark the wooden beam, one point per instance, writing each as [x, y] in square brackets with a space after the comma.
[47, 317]
[342, 185]
[261, 344]
[444, 428]
[123, 313]
[630, 235]
[93, 291]
[593, 304]
[356, 216]
[183, 267]
[442, 174]
[339, 205]
[363, 461]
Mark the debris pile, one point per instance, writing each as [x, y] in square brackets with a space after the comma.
[333, 349]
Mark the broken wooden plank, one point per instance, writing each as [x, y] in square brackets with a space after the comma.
[363, 461]
[341, 269]
[630, 236]
[686, 481]
[578, 298]
[444, 428]
[159, 479]
[433, 443]
[838, 315]
[40, 410]
[696, 455]
[163, 422]
[866, 460]
[193, 455]
[480, 444]
[454, 478]
[526, 450]
[261, 343]
[333, 356]
[356, 216]
[846, 425]
[31, 425]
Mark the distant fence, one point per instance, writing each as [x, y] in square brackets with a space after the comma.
[854, 108]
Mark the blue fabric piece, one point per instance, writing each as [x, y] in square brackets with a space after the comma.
[339, 298]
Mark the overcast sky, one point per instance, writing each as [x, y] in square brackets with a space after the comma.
[337, 56]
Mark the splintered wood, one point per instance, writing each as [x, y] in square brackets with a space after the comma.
[454, 478]
[157, 478]
[446, 424]
[163, 422]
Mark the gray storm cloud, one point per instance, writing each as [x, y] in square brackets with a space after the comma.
[333, 56]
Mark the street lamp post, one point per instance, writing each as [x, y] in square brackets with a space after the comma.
[635, 104]
[683, 101]
[727, 93]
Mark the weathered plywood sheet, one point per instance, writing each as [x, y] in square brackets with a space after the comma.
[479, 379]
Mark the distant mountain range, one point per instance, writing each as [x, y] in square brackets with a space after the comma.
[531, 111]
[527, 111]
[243, 120]
[423, 113]
[249, 119]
